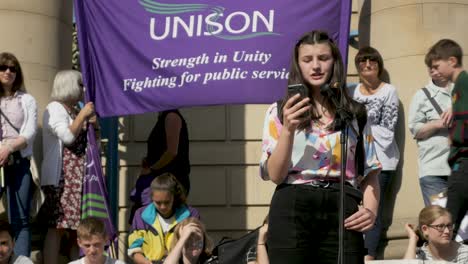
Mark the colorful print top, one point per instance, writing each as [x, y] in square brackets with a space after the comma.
[316, 153]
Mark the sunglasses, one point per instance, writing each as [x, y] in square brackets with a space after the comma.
[364, 59]
[6, 67]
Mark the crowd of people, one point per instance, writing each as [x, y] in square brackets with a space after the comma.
[301, 154]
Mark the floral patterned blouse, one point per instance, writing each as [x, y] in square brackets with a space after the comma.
[316, 153]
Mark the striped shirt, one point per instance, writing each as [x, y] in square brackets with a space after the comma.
[423, 253]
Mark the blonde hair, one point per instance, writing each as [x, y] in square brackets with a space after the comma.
[430, 214]
[91, 226]
[68, 86]
[207, 243]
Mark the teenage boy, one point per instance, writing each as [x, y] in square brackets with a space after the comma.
[427, 122]
[446, 56]
[6, 246]
[92, 238]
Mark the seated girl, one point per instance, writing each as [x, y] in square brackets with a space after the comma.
[435, 228]
[153, 225]
[191, 244]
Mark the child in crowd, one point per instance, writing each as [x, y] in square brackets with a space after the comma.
[427, 121]
[435, 228]
[191, 244]
[7, 256]
[167, 151]
[92, 238]
[153, 225]
[446, 59]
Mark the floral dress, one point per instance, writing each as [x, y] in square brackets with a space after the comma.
[63, 202]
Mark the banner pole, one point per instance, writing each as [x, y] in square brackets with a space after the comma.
[110, 131]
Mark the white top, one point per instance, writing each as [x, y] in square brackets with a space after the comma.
[108, 261]
[29, 127]
[166, 222]
[382, 116]
[55, 133]
[434, 150]
[20, 260]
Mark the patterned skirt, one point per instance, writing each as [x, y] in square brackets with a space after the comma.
[63, 202]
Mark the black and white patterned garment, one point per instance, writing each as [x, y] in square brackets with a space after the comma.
[423, 253]
[382, 111]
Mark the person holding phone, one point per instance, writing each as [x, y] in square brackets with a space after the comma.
[302, 156]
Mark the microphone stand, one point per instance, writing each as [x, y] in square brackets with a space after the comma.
[343, 119]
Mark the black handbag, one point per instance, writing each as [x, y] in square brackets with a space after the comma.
[234, 251]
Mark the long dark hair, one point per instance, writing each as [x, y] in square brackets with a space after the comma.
[18, 83]
[337, 78]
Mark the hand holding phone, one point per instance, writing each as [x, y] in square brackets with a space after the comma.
[303, 92]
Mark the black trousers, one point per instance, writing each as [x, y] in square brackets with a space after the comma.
[457, 194]
[303, 226]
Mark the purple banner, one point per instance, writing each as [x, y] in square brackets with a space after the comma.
[95, 199]
[152, 55]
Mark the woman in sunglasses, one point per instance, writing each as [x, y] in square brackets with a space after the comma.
[18, 123]
[381, 101]
[435, 231]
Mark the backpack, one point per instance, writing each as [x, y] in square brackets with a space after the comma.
[234, 251]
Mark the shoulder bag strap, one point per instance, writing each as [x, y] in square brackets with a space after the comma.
[8, 121]
[433, 102]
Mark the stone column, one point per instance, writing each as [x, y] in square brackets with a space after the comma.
[403, 31]
[39, 33]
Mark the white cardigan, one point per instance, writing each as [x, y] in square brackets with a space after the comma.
[29, 127]
[56, 133]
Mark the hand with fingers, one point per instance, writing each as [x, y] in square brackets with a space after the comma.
[4, 155]
[447, 117]
[412, 242]
[411, 232]
[361, 221]
[190, 229]
[88, 109]
[293, 110]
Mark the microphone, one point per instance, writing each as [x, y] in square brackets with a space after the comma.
[330, 91]
[326, 87]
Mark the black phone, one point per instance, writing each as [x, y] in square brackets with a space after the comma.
[294, 89]
[299, 88]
